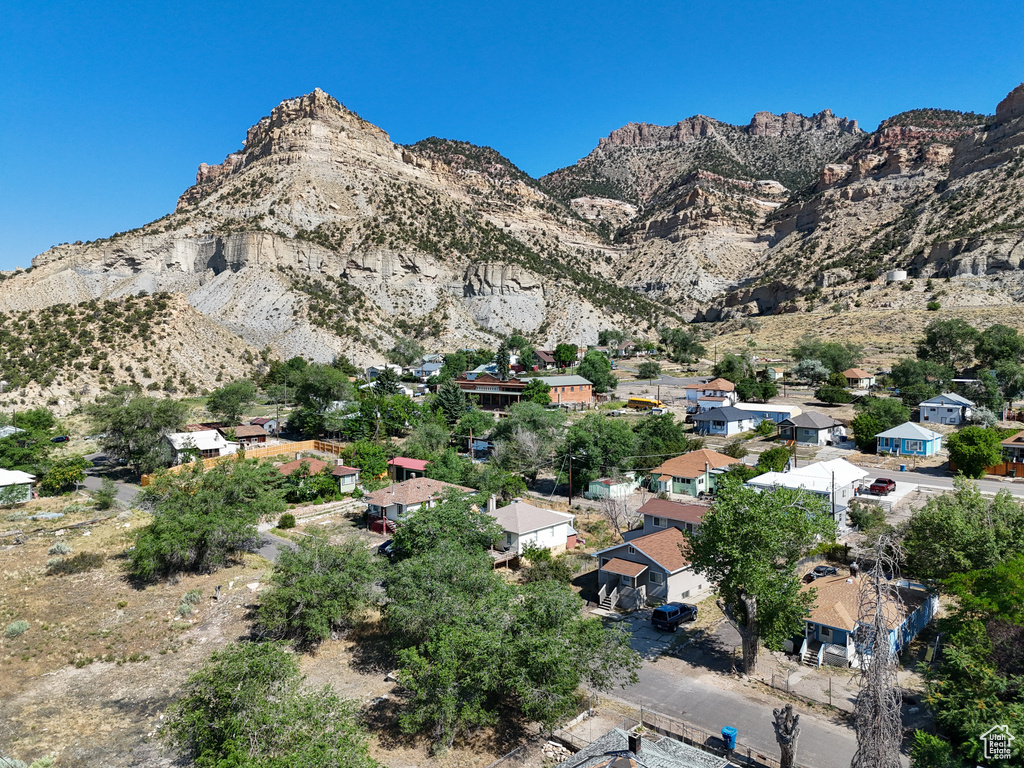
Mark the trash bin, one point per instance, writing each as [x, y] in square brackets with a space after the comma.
[903, 467]
[729, 737]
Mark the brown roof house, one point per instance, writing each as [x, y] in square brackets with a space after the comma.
[830, 629]
[692, 473]
[401, 498]
[651, 567]
[660, 514]
[858, 378]
[246, 434]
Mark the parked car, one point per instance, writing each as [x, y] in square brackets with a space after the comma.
[819, 571]
[669, 616]
[386, 549]
[882, 486]
[59, 439]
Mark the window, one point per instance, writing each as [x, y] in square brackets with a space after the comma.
[508, 539]
[632, 550]
[656, 578]
[914, 445]
[659, 522]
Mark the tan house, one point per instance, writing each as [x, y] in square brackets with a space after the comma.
[650, 567]
[247, 434]
[408, 496]
[690, 474]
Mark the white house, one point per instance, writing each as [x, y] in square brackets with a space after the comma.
[21, 481]
[8, 431]
[832, 480]
[811, 428]
[716, 393]
[858, 378]
[374, 370]
[774, 412]
[206, 443]
[526, 525]
[947, 408]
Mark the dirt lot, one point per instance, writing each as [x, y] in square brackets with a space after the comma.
[102, 659]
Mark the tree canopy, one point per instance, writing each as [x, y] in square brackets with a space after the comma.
[749, 543]
[597, 369]
[133, 426]
[247, 706]
[833, 355]
[648, 370]
[565, 355]
[998, 343]
[948, 343]
[230, 401]
[597, 445]
[202, 519]
[318, 588]
[681, 345]
[878, 414]
[974, 449]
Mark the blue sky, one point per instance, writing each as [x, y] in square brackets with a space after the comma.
[109, 107]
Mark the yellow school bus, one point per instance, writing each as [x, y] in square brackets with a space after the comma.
[643, 403]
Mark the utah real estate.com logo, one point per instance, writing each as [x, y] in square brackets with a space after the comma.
[998, 742]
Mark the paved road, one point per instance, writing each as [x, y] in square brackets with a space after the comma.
[667, 686]
[271, 545]
[126, 492]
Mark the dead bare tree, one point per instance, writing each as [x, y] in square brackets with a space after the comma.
[787, 731]
[877, 711]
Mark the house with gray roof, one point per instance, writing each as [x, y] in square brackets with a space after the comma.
[908, 439]
[811, 428]
[726, 421]
[526, 525]
[947, 408]
[621, 749]
[16, 483]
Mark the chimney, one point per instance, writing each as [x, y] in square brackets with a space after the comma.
[338, 462]
[636, 743]
[492, 503]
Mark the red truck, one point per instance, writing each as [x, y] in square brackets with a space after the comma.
[882, 486]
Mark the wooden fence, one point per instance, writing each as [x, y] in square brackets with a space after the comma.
[262, 452]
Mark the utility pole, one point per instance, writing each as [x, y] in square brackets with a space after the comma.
[570, 480]
[471, 444]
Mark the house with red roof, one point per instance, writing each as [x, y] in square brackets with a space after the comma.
[402, 468]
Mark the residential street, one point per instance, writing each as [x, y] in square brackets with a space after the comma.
[672, 687]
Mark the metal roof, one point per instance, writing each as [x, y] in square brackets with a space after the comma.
[909, 431]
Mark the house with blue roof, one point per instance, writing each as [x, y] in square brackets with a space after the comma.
[947, 408]
[908, 439]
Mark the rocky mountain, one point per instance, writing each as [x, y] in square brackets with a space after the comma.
[938, 194]
[321, 236]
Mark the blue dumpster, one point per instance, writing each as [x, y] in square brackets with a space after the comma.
[729, 737]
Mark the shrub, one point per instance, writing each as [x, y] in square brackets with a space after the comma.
[16, 628]
[736, 449]
[80, 563]
[287, 520]
[765, 428]
[934, 306]
[104, 498]
[866, 517]
[193, 597]
[60, 548]
[185, 609]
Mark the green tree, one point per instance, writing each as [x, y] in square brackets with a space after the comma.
[833, 355]
[648, 370]
[608, 337]
[319, 588]
[536, 391]
[998, 343]
[974, 449]
[1009, 376]
[247, 707]
[774, 459]
[749, 544]
[230, 401]
[371, 459]
[732, 368]
[985, 391]
[833, 395]
[597, 444]
[923, 378]
[302, 485]
[449, 467]
[660, 437]
[134, 426]
[454, 366]
[497, 481]
[343, 364]
[736, 449]
[451, 399]
[502, 360]
[457, 519]
[812, 370]
[681, 345]
[427, 440]
[963, 531]
[475, 422]
[386, 383]
[202, 519]
[63, 475]
[105, 497]
[14, 494]
[766, 390]
[565, 355]
[405, 352]
[948, 343]
[597, 369]
[878, 415]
